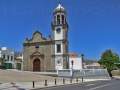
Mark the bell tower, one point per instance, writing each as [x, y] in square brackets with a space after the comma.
[60, 38]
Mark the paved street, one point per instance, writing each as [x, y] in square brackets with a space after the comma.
[100, 85]
[24, 76]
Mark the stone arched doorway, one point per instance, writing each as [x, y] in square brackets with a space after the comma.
[36, 65]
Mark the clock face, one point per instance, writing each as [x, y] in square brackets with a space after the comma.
[58, 30]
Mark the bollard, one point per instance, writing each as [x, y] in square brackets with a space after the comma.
[33, 84]
[13, 84]
[55, 82]
[76, 80]
[71, 80]
[82, 79]
[46, 83]
[63, 81]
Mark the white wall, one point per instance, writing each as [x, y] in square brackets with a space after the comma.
[58, 36]
[59, 66]
[77, 62]
[58, 56]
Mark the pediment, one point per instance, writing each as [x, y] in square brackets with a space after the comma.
[36, 53]
[37, 37]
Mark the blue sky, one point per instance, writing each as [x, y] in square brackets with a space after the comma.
[93, 24]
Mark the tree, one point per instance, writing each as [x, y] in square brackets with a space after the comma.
[2, 61]
[108, 60]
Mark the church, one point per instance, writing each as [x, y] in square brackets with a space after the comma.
[48, 54]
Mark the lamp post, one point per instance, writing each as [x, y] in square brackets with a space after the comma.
[72, 62]
[82, 55]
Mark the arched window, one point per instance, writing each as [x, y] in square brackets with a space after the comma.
[63, 19]
[54, 19]
[58, 19]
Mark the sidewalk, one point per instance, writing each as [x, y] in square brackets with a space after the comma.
[22, 80]
[37, 84]
[12, 86]
[42, 84]
[117, 77]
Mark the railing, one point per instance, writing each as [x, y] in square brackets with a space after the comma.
[85, 73]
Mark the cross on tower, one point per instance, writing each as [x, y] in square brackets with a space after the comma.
[59, 1]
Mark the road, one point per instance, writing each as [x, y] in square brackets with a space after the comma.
[113, 84]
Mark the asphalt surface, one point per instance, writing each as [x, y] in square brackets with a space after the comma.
[113, 84]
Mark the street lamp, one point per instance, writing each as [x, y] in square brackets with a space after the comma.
[82, 55]
[72, 62]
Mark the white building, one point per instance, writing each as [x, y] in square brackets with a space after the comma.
[75, 61]
[8, 56]
[91, 64]
[19, 61]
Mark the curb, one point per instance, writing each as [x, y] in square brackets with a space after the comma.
[62, 85]
[116, 77]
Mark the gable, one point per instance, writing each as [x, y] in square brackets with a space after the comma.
[37, 37]
[36, 54]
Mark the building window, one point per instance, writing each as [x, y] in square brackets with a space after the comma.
[54, 19]
[11, 58]
[58, 48]
[4, 56]
[63, 19]
[36, 46]
[8, 57]
[58, 19]
[58, 30]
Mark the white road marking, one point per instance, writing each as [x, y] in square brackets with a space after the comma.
[90, 85]
[58, 86]
[98, 87]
